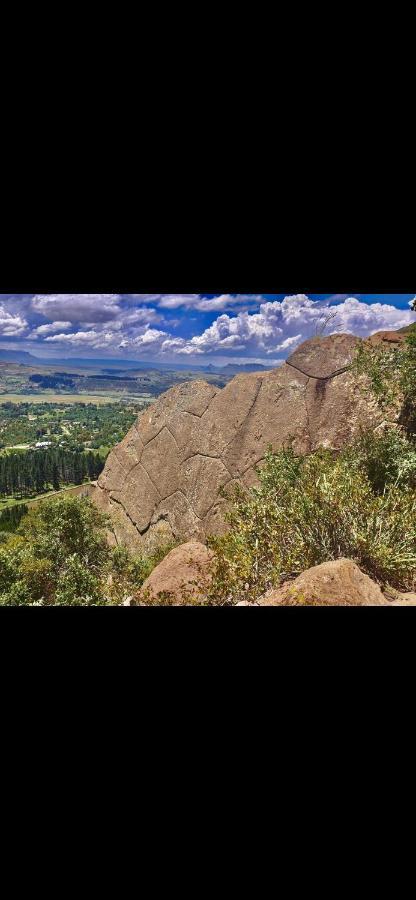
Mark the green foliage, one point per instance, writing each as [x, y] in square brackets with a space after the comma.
[59, 556]
[60, 528]
[10, 559]
[11, 517]
[26, 473]
[392, 377]
[79, 584]
[386, 459]
[309, 510]
[129, 571]
[74, 426]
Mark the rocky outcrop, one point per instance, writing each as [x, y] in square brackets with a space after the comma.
[164, 479]
[183, 577]
[336, 583]
[391, 339]
[405, 600]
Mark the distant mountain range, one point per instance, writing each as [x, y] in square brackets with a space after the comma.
[19, 356]
[234, 368]
[22, 357]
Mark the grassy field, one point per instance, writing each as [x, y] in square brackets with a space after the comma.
[73, 489]
[99, 399]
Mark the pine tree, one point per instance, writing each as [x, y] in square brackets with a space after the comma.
[55, 477]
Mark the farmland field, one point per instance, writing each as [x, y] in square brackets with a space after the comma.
[45, 397]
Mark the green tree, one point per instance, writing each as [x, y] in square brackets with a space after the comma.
[60, 528]
[55, 477]
[59, 556]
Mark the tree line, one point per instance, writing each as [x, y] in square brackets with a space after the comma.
[23, 474]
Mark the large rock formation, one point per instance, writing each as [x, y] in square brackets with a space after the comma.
[164, 479]
[336, 583]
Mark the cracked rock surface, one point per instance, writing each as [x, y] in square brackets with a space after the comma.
[164, 479]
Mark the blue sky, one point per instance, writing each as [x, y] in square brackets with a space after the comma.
[188, 328]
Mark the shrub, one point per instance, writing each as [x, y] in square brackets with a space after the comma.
[391, 377]
[58, 556]
[386, 459]
[78, 585]
[309, 510]
[128, 571]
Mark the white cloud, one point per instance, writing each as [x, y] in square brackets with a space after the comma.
[78, 337]
[78, 307]
[199, 303]
[112, 323]
[277, 327]
[290, 342]
[282, 325]
[11, 324]
[151, 337]
[43, 330]
[110, 339]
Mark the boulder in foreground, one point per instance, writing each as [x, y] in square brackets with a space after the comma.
[336, 583]
[182, 578]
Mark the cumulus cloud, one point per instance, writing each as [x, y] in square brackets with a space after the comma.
[51, 328]
[76, 337]
[282, 325]
[110, 339]
[11, 324]
[149, 338]
[143, 324]
[78, 307]
[275, 329]
[290, 343]
[95, 308]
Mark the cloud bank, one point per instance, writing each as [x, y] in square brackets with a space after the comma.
[142, 325]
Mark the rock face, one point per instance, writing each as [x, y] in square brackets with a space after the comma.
[183, 576]
[164, 479]
[390, 339]
[337, 583]
[405, 600]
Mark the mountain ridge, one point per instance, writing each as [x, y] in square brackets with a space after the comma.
[23, 357]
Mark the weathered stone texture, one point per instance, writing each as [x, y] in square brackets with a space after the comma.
[165, 476]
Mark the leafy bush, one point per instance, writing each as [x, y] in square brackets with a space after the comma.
[129, 571]
[309, 510]
[58, 556]
[392, 377]
[387, 458]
